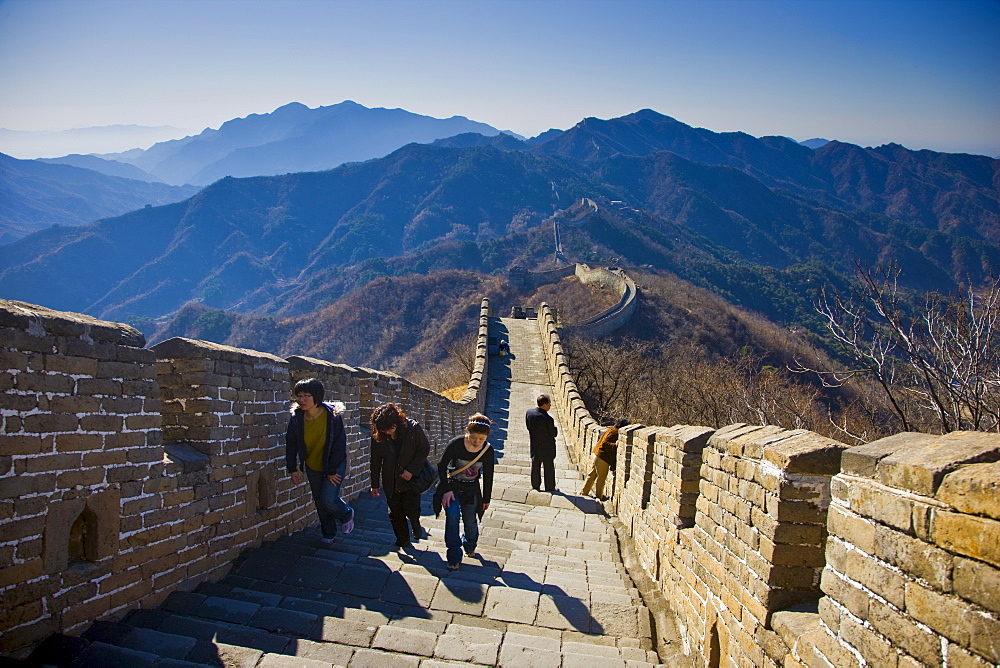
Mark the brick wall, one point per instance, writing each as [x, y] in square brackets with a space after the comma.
[912, 561]
[81, 439]
[127, 473]
[782, 547]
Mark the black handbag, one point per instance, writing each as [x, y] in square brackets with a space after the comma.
[424, 480]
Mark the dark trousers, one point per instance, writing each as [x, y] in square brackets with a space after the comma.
[548, 462]
[404, 506]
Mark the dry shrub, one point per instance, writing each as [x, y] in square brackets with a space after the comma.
[685, 385]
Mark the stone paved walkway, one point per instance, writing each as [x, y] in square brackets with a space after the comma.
[547, 588]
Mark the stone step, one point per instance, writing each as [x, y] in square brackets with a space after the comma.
[208, 628]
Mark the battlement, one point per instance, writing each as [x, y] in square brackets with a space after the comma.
[776, 547]
[127, 473]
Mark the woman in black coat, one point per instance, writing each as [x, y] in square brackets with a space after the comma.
[399, 449]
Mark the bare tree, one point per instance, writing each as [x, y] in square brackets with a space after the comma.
[938, 368]
[682, 385]
[611, 377]
[462, 350]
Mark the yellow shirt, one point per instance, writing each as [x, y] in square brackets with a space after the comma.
[314, 433]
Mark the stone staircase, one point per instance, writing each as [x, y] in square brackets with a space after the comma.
[546, 589]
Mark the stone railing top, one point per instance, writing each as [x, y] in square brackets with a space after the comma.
[300, 362]
[973, 489]
[791, 450]
[41, 321]
[181, 348]
[687, 438]
[920, 462]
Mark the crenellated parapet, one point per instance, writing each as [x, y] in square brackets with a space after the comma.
[128, 473]
[775, 547]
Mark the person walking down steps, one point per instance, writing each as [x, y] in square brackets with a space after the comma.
[315, 440]
[467, 460]
[542, 433]
[399, 449]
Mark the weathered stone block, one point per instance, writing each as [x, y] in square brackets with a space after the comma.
[806, 453]
[98, 387]
[70, 365]
[29, 382]
[853, 528]
[973, 489]
[26, 444]
[905, 633]
[876, 649]
[921, 467]
[876, 576]
[960, 657]
[984, 632]
[797, 512]
[84, 478]
[791, 555]
[48, 423]
[977, 582]
[22, 403]
[968, 535]
[914, 557]
[101, 423]
[862, 460]
[845, 593]
[880, 503]
[946, 614]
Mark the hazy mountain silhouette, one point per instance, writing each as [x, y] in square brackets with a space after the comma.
[294, 138]
[35, 195]
[816, 142]
[109, 167]
[32, 144]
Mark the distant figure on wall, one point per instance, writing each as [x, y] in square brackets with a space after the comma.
[315, 441]
[399, 449]
[605, 456]
[542, 432]
[504, 348]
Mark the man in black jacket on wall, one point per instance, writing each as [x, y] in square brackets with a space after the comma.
[542, 440]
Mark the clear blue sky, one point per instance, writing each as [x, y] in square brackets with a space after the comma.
[923, 73]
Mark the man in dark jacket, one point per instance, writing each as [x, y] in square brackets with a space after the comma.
[542, 440]
[315, 442]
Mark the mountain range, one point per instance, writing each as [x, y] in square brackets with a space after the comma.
[35, 195]
[293, 138]
[756, 220]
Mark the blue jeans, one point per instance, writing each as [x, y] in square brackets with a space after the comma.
[452, 539]
[330, 507]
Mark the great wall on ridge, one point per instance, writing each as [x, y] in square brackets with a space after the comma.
[138, 485]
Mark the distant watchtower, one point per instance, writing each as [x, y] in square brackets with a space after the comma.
[518, 276]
